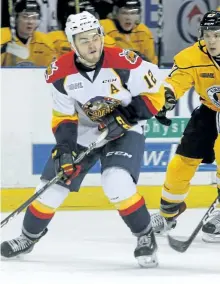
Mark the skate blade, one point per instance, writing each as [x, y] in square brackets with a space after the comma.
[210, 238]
[147, 261]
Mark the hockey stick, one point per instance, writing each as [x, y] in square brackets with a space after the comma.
[182, 246]
[13, 47]
[77, 6]
[53, 181]
[159, 31]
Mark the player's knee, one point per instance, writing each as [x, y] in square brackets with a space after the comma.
[52, 198]
[121, 190]
[118, 184]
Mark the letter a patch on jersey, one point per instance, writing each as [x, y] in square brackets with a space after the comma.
[114, 90]
[130, 55]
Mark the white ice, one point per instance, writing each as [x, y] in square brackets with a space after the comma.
[97, 247]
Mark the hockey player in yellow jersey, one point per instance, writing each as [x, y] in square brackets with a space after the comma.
[59, 38]
[198, 66]
[40, 50]
[128, 32]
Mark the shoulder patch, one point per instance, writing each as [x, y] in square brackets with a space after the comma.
[118, 58]
[61, 68]
[129, 55]
[51, 69]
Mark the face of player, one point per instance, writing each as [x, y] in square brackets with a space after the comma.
[212, 40]
[127, 18]
[89, 45]
[27, 23]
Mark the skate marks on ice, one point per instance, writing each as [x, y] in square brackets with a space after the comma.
[97, 243]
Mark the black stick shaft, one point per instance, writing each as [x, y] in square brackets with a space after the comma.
[182, 246]
[31, 199]
[53, 181]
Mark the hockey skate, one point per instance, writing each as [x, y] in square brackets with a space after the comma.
[161, 224]
[211, 230]
[145, 252]
[19, 246]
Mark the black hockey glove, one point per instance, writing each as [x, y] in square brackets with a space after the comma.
[64, 161]
[116, 124]
[170, 103]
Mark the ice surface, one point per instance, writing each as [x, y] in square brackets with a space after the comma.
[97, 247]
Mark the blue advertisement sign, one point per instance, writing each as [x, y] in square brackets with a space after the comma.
[155, 159]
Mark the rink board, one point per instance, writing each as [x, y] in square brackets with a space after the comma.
[93, 198]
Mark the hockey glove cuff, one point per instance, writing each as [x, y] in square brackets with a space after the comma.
[64, 161]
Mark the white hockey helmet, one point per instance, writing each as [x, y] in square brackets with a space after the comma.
[81, 22]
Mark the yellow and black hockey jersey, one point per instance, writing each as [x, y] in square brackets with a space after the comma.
[193, 66]
[40, 47]
[120, 74]
[140, 39]
[62, 45]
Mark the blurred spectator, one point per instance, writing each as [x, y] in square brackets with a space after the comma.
[48, 14]
[127, 31]
[64, 9]
[39, 48]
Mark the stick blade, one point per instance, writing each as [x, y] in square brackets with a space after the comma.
[177, 245]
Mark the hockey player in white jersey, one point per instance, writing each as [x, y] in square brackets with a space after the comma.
[87, 77]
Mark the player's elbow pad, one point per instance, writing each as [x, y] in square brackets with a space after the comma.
[66, 133]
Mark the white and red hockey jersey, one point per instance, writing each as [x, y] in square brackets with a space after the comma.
[120, 74]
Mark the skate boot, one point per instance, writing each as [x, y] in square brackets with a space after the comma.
[19, 246]
[211, 230]
[145, 252]
[161, 224]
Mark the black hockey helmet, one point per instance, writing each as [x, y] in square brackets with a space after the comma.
[210, 21]
[129, 4]
[27, 6]
[68, 7]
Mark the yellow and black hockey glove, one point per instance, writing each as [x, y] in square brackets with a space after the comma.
[116, 123]
[64, 161]
[170, 103]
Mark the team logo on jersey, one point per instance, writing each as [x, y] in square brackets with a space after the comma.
[130, 55]
[214, 94]
[50, 70]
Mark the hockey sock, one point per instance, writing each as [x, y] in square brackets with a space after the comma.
[36, 219]
[134, 213]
